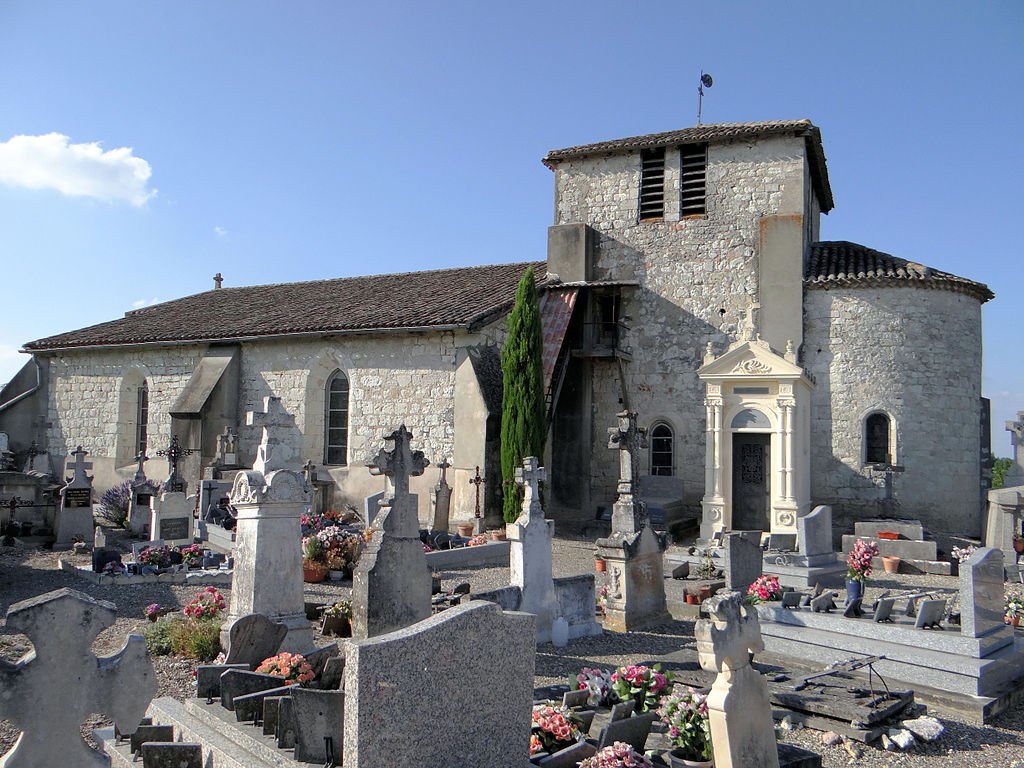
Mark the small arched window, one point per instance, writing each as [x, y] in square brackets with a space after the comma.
[142, 419]
[336, 432]
[876, 439]
[661, 449]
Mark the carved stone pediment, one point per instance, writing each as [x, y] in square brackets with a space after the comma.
[752, 360]
[279, 486]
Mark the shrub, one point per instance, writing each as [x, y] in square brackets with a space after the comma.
[159, 636]
[199, 640]
[113, 506]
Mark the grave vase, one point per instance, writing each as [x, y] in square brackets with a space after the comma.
[854, 590]
[675, 760]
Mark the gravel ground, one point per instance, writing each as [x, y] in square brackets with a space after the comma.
[28, 572]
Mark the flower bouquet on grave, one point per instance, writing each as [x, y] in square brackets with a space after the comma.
[338, 619]
[553, 728]
[764, 589]
[341, 549]
[618, 755]
[645, 685]
[689, 728]
[858, 562]
[191, 554]
[158, 557]
[205, 606]
[154, 611]
[1013, 608]
[601, 600]
[706, 569]
[599, 684]
[314, 567]
[477, 540]
[292, 667]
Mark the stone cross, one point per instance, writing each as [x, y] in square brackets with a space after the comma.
[33, 451]
[49, 693]
[275, 451]
[400, 463]
[442, 499]
[1015, 474]
[628, 439]
[78, 466]
[751, 321]
[739, 711]
[140, 473]
[530, 475]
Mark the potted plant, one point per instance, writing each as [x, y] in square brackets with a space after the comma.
[618, 755]
[599, 684]
[158, 557]
[600, 564]
[553, 728]
[645, 685]
[465, 529]
[192, 555]
[601, 602]
[689, 729]
[498, 534]
[891, 563]
[1013, 609]
[313, 567]
[1018, 543]
[338, 619]
[858, 569]
[764, 589]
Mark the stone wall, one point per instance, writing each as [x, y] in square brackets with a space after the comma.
[695, 273]
[914, 354]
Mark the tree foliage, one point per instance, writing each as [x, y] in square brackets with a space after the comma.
[999, 468]
[523, 413]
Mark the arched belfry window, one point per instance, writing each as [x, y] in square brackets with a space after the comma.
[661, 449]
[336, 433]
[877, 449]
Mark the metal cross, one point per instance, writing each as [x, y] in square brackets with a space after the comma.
[477, 481]
[530, 475]
[174, 453]
[400, 463]
[79, 465]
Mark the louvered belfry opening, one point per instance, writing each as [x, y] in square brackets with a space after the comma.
[692, 188]
[652, 183]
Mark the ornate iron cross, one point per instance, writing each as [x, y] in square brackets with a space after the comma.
[477, 481]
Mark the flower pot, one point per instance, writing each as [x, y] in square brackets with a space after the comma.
[1015, 621]
[498, 534]
[336, 625]
[704, 592]
[692, 599]
[890, 535]
[891, 563]
[600, 564]
[465, 529]
[675, 761]
[854, 589]
[313, 575]
[1018, 546]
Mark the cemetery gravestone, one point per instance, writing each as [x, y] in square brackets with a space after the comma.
[74, 518]
[410, 694]
[391, 582]
[318, 716]
[739, 711]
[530, 552]
[442, 500]
[253, 638]
[270, 500]
[981, 592]
[171, 519]
[62, 625]
[743, 562]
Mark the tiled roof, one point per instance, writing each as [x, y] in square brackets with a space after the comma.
[842, 263]
[440, 298]
[716, 133]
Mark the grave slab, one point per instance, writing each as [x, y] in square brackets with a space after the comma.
[317, 715]
[172, 755]
[254, 638]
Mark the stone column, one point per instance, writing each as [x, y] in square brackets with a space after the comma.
[530, 552]
[269, 500]
[634, 551]
[713, 503]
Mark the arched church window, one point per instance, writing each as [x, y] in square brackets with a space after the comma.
[336, 437]
[876, 439]
[661, 449]
[141, 418]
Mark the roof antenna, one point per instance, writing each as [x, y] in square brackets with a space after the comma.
[705, 80]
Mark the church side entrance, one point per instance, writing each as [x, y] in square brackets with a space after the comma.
[751, 463]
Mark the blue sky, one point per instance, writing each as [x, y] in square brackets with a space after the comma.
[275, 141]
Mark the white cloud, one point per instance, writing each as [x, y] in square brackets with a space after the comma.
[50, 162]
[220, 231]
[143, 303]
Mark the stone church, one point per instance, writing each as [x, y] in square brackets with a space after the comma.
[685, 280]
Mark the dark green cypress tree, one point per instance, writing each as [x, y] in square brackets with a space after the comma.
[523, 411]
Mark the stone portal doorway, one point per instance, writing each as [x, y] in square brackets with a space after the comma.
[751, 463]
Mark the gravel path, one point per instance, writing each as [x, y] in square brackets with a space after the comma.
[29, 572]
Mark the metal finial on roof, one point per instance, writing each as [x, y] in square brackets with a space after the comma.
[705, 80]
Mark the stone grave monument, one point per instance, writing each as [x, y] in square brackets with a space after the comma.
[743, 561]
[634, 551]
[74, 517]
[442, 500]
[49, 693]
[140, 509]
[1006, 504]
[171, 519]
[270, 499]
[391, 582]
[739, 710]
[530, 552]
[174, 453]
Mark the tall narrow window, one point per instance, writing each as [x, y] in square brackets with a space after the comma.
[692, 184]
[141, 419]
[652, 183]
[661, 449]
[336, 437]
[876, 439]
